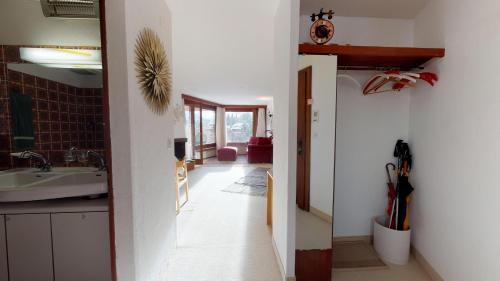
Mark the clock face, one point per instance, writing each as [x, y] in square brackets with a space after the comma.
[322, 31]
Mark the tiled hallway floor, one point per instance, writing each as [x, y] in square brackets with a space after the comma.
[222, 236]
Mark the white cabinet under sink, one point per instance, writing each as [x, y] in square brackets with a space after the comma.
[62, 240]
[29, 247]
[3, 251]
[81, 246]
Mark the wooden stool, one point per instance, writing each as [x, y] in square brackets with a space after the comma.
[181, 180]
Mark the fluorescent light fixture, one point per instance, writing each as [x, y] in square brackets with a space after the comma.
[63, 58]
[265, 98]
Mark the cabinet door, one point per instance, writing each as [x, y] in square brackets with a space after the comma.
[4, 274]
[81, 247]
[29, 247]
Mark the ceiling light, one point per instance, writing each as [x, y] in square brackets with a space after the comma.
[63, 58]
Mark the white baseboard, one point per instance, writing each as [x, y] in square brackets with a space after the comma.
[320, 214]
[280, 264]
[426, 266]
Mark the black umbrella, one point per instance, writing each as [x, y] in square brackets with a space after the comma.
[403, 189]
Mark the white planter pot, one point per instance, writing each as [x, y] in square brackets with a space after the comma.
[393, 246]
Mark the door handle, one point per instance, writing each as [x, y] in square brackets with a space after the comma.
[299, 148]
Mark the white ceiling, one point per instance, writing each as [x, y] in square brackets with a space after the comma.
[223, 49]
[404, 9]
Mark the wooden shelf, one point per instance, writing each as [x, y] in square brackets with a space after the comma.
[374, 57]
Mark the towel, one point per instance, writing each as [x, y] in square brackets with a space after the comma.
[22, 121]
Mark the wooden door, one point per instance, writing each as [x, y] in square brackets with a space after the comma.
[304, 138]
[29, 247]
[313, 265]
[4, 276]
[81, 246]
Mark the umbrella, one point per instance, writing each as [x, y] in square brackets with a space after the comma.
[403, 188]
[391, 192]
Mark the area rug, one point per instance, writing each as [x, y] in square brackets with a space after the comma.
[253, 183]
[348, 255]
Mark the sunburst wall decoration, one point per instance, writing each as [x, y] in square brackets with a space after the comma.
[153, 70]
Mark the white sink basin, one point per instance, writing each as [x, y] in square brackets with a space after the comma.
[30, 185]
[22, 179]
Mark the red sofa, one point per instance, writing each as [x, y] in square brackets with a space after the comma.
[260, 150]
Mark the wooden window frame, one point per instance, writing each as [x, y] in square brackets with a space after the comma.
[200, 104]
[206, 104]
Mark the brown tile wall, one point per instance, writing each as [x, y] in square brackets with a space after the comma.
[65, 116]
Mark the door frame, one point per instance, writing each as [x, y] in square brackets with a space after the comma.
[304, 111]
[107, 137]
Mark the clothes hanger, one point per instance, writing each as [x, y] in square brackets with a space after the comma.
[376, 83]
[349, 77]
[399, 81]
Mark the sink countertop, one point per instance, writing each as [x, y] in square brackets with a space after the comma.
[67, 205]
[31, 185]
[53, 170]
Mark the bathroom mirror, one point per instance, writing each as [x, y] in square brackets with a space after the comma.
[315, 163]
[51, 82]
[54, 107]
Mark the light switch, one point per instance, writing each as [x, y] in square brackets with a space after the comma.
[316, 116]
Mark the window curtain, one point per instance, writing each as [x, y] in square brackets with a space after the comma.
[261, 123]
[220, 128]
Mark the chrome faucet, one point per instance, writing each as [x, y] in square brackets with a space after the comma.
[100, 160]
[43, 164]
[70, 155]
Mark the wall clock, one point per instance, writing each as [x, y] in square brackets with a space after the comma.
[322, 29]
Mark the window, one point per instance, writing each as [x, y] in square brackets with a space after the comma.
[188, 131]
[239, 126]
[200, 129]
[208, 126]
[197, 126]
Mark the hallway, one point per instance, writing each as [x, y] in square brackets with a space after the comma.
[222, 236]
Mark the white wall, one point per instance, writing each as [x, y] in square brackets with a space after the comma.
[229, 59]
[286, 25]
[23, 23]
[454, 135]
[176, 101]
[142, 148]
[367, 127]
[367, 130]
[365, 31]
[324, 95]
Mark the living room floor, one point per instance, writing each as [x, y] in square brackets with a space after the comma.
[241, 159]
[222, 236]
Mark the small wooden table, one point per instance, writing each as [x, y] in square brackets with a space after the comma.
[270, 198]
